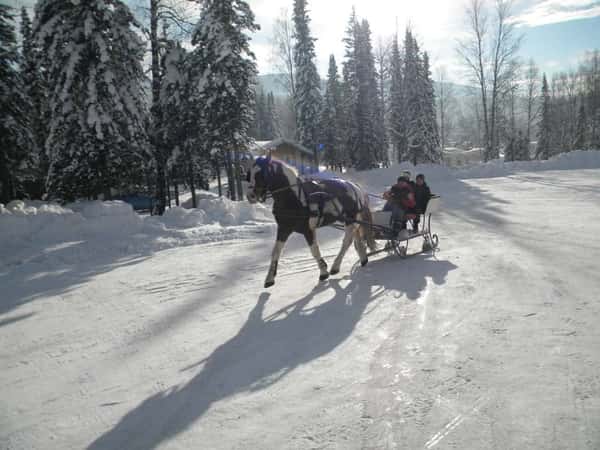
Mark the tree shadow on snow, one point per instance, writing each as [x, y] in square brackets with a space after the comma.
[266, 349]
[472, 204]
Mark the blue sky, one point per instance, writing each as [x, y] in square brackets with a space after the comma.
[560, 46]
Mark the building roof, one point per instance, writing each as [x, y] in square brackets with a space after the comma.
[273, 145]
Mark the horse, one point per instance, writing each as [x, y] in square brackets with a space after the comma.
[302, 205]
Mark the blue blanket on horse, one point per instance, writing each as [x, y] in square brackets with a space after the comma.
[332, 200]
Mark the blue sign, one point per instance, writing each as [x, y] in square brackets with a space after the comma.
[321, 146]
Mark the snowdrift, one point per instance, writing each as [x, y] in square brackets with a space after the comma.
[380, 178]
[31, 229]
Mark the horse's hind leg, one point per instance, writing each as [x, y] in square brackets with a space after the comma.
[311, 239]
[359, 241]
[348, 236]
[282, 236]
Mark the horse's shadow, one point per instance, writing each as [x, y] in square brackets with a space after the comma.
[265, 350]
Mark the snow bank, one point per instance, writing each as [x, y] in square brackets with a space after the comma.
[31, 230]
[380, 178]
[579, 159]
[226, 212]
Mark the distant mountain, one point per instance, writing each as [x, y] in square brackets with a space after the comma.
[272, 82]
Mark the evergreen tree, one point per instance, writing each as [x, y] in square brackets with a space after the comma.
[15, 137]
[580, 137]
[511, 149]
[270, 118]
[221, 71]
[422, 135]
[169, 130]
[431, 141]
[545, 129]
[331, 119]
[35, 89]
[307, 92]
[522, 153]
[260, 112]
[350, 95]
[368, 142]
[397, 105]
[97, 137]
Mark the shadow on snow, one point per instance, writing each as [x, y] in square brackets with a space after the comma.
[266, 349]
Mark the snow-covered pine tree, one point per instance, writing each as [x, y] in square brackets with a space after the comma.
[349, 95]
[413, 99]
[522, 153]
[331, 119]
[581, 135]
[431, 140]
[422, 133]
[168, 129]
[97, 139]
[545, 128]
[271, 126]
[368, 142]
[221, 71]
[32, 74]
[397, 104]
[15, 136]
[308, 83]
[382, 79]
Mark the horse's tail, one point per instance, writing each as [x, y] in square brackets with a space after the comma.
[368, 229]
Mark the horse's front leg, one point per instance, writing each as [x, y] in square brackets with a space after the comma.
[311, 240]
[282, 236]
[348, 237]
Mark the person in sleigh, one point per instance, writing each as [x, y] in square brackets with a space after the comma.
[401, 202]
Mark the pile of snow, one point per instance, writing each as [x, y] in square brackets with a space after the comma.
[579, 159]
[31, 230]
[435, 173]
[224, 211]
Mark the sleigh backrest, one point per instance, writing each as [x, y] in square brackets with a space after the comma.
[433, 205]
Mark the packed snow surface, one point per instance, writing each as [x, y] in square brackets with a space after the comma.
[120, 331]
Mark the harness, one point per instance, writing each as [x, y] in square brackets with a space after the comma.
[313, 202]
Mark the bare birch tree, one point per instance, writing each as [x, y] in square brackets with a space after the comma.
[488, 53]
[282, 57]
[445, 101]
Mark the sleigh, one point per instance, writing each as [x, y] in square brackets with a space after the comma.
[397, 241]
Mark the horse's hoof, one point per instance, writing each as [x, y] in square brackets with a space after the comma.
[324, 277]
[364, 262]
[268, 284]
[334, 271]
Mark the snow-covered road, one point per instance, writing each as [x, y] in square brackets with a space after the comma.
[492, 343]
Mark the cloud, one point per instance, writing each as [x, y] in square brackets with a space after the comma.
[556, 11]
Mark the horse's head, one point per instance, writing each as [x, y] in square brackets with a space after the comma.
[264, 175]
[258, 176]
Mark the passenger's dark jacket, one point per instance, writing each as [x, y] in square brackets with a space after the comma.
[402, 194]
[422, 196]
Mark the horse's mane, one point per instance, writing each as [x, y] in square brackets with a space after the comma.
[286, 166]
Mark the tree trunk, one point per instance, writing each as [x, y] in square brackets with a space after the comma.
[155, 69]
[167, 184]
[237, 175]
[218, 170]
[192, 185]
[230, 177]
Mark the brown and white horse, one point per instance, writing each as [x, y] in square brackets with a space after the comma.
[303, 205]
